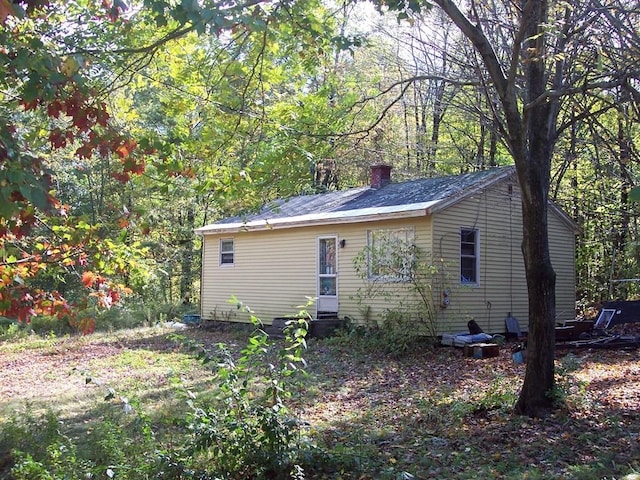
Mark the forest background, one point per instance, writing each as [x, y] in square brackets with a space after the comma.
[126, 126]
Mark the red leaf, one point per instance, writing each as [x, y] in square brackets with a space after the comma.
[88, 278]
[58, 139]
[126, 148]
[102, 116]
[131, 166]
[115, 295]
[54, 109]
[85, 151]
[122, 177]
[30, 105]
[103, 149]
[122, 151]
[81, 120]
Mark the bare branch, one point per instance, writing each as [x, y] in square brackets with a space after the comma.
[479, 41]
[406, 82]
[177, 33]
[566, 92]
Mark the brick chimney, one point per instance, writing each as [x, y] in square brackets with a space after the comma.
[380, 175]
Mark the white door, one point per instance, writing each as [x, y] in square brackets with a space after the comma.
[327, 275]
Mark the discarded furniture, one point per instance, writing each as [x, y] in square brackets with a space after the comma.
[617, 313]
[462, 339]
[573, 330]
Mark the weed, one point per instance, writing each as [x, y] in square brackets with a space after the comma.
[11, 330]
[39, 449]
[250, 431]
[568, 391]
[498, 396]
[395, 337]
[407, 283]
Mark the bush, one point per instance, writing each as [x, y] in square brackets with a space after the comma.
[11, 329]
[250, 432]
[38, 449]
[396, 336]
[407, 285]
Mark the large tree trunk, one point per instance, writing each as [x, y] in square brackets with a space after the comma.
[535, 397]
[529, 130]
[534, 173]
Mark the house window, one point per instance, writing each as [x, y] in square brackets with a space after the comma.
[469, 256]
[226, 251]
[391, 254]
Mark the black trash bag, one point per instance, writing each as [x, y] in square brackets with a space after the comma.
[474, 328]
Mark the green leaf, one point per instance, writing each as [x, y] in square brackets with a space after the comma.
[39, 198]
[31, 91]
[634, 194]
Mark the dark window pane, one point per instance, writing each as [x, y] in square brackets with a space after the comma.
[226, 252]
[468, 256]
[468, 236]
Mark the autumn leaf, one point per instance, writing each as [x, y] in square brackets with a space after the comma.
[85, 151]
[54, 109]
[88, 278]
[122, 177]
[70, 66]
[57, 138]
[115, 296]
[131, 165]
[126, 148]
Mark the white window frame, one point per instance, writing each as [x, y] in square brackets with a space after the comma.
[395, 237]
[232, 252]
[330, 271]
[471, 282]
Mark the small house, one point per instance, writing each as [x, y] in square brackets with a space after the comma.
[354, 252]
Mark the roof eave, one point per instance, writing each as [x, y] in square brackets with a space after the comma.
[565, 218]
[278, 224]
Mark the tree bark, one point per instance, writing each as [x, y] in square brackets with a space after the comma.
[535, 397]
[529, 134]
[186, 278]
[536, 394]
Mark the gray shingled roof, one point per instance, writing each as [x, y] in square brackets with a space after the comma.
[410, 198]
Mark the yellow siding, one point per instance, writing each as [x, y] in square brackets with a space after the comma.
[275, 270]
[563, 254]
[370, 310]
[497, 214]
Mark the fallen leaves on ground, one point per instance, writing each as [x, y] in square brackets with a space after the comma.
[433, 413]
